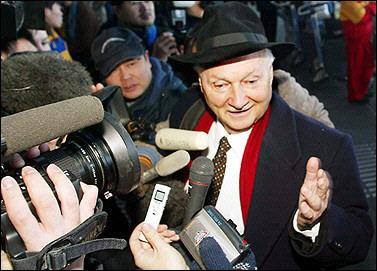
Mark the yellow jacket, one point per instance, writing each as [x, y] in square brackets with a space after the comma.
[353, 10]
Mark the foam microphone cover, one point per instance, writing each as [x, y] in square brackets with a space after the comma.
[172, 163]
[179, 139]
[34, 79]
[38, 125]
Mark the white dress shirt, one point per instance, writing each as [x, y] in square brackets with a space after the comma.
[229, 203]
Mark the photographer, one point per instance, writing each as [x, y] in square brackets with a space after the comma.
[140, 17]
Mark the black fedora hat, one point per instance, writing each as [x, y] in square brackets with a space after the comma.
[229, 30]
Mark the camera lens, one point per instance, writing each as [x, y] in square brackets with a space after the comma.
[103, 155]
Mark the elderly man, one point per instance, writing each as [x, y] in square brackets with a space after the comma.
[276, 187]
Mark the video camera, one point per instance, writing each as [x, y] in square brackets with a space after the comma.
[102, 154]
[18, 14]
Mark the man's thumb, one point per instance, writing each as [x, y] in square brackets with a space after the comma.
[151, 234]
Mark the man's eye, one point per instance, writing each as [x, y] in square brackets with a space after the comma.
[220, 85]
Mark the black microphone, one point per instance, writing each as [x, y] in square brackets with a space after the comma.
[29, 128]
[34, 79]
[200, 178]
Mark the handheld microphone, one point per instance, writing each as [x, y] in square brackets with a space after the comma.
[200, 178]
[178, 139]
[166, 166]
[32, 127]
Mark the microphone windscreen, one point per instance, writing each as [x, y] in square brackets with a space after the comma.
[202, 170]
[34, 79]
[172, 163]
[178, 139]
[38, 125]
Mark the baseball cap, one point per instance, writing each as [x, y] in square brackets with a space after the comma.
[113, 47]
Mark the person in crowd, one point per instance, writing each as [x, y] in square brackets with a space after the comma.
[149, 86]
[79, 29]
[140, 16]
[291, 184]
[23, 43]
[54, 20]
[41, 40]
[148, 92]
[357, 21]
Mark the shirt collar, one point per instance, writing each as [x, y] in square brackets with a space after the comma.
[236, 141]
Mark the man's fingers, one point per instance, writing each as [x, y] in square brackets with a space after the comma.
[88, 201]
[67, 195]
[21, 216]
[42, 198]
[311, 198]
[323, 185]
[305, 211]
[151, 235]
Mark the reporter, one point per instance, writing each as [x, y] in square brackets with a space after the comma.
[55, 221]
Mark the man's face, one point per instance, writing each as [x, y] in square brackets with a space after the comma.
[240, 91]
[136, 13]
[54, 16]
[133, 77]
[41, 39]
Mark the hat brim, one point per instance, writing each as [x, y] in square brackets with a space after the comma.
[218, 54]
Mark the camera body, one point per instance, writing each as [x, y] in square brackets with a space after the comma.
[17, 14]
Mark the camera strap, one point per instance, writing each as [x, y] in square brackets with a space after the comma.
[68, 248]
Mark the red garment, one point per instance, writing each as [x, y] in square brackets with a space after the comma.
[249, 159]
[360, 57]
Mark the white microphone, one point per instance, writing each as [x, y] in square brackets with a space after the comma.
[166, 166]
[179, 139]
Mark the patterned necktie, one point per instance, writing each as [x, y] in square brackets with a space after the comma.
[219, 162]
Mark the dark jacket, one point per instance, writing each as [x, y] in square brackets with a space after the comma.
[155, 104]
[290, 139]
[161, 96]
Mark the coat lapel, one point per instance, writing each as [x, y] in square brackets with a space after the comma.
[276, 188]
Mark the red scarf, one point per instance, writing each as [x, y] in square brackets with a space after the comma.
[249, 159]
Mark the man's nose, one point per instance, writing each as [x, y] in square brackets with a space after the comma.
[238, 98]
[125, 74]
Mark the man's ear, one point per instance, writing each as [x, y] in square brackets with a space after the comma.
[147, 60]
[200, 84]
[116, 10]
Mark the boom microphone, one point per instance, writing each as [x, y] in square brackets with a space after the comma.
[178, 139]
[201, 172]
[34, 79]
[29, 128]
[167, 165]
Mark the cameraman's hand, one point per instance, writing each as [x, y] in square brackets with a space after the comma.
[55, 221]
[157, 253]
[17, 160]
